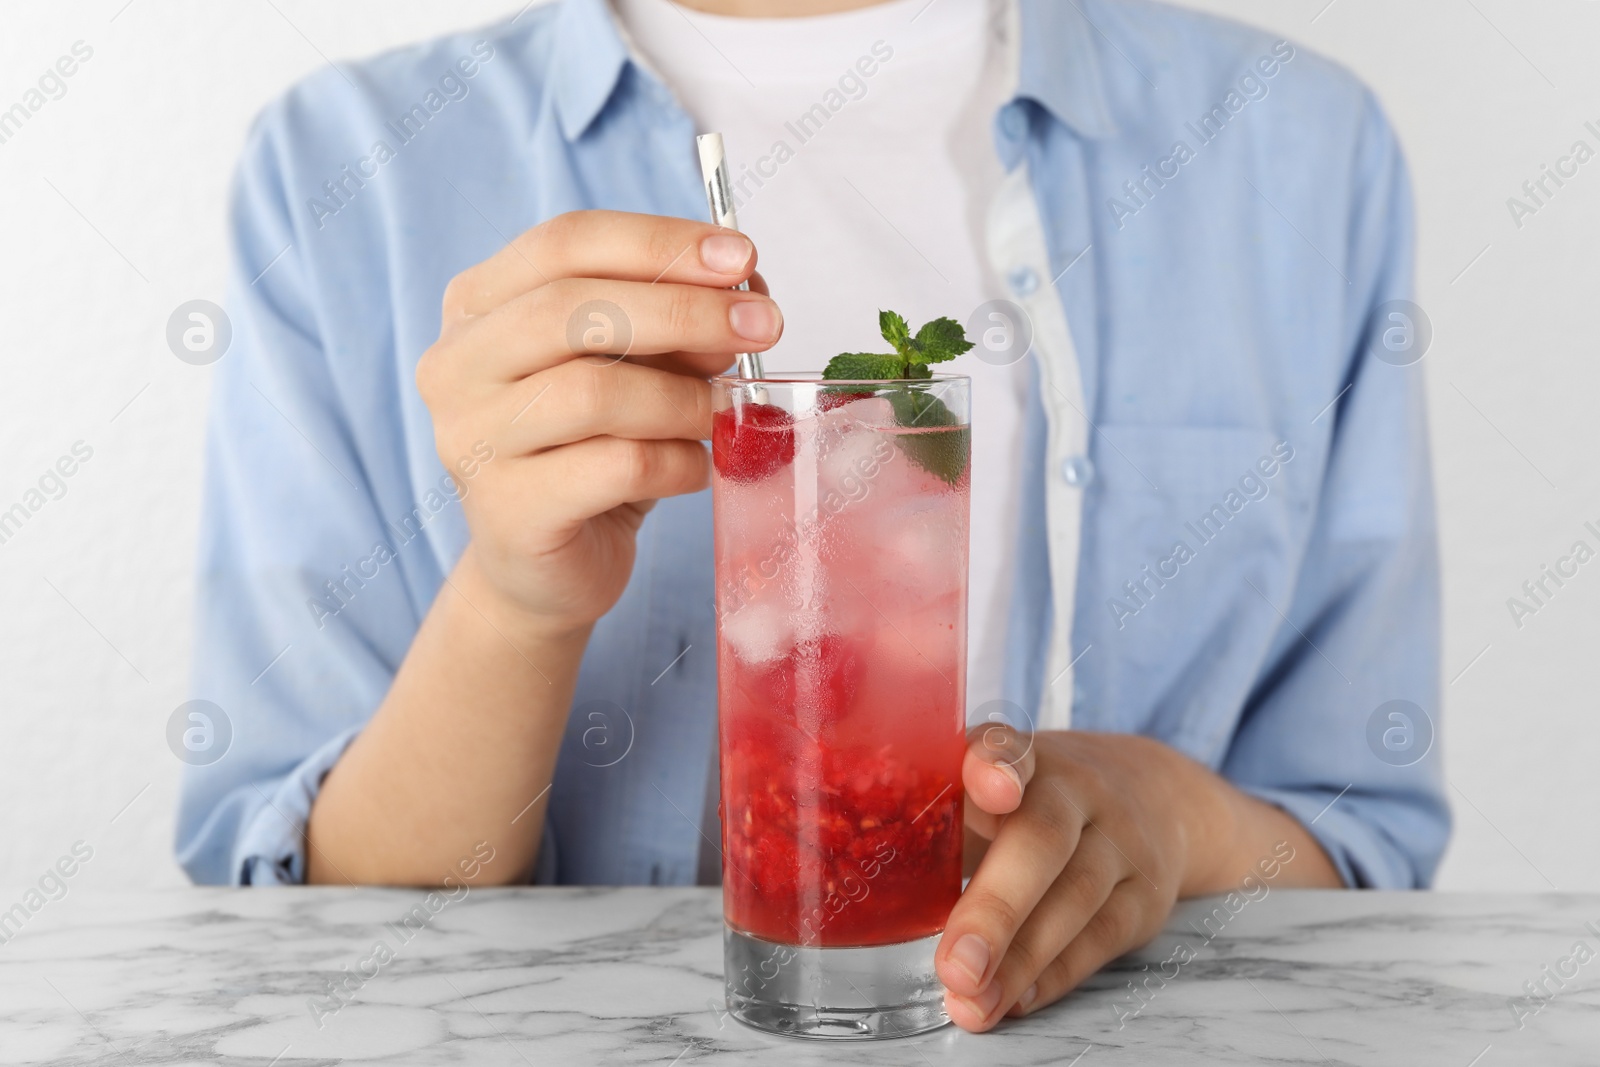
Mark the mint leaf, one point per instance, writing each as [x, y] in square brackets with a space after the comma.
[938, 443]
[942, 453]
[920, 409]
[896, 332]
[864, 365]
[941, 339]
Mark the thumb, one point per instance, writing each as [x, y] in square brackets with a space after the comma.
[998, 766]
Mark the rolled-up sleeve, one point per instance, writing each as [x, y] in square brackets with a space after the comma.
[1360, 771]
[301, 620]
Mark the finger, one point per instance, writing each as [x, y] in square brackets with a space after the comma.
[998, 765]
[1033, 846]
[1120, 926]
[1066, 910]
[591, 477]
[584, 398]
[588, 316]
[619, 245]
[691, 363]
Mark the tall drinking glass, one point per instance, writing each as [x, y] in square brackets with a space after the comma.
[841, 515]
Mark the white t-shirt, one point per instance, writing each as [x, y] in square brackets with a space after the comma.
[863, 164]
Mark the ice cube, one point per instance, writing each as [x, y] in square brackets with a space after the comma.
[905, 554]
[872, 412]
[925, 531]
[850, 461]
[759, 632]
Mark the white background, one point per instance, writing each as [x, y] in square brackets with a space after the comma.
[113, 213]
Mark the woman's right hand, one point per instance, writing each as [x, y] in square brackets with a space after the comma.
[579, 353]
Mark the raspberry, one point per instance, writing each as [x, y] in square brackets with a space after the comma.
[751, 441]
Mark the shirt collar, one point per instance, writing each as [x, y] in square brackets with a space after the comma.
[1059, 66]
[589, 59]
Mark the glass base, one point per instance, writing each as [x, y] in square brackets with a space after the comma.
[869, 993]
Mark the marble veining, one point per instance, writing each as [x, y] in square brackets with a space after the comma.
[295, 977]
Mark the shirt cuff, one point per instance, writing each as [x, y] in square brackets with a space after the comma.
[1357, 847]
[272, 842]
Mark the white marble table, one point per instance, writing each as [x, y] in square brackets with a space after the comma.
[633, 976]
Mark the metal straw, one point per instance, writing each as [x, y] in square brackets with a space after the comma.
[714, 171]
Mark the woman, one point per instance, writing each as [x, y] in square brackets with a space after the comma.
[455, 580]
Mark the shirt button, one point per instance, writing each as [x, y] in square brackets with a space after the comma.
[1077, 471]
[1024, 281]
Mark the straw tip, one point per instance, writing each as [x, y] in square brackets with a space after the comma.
[711, 151]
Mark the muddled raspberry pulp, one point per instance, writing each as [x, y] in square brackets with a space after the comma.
[840, 826]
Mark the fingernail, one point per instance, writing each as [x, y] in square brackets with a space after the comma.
[1010, 772]
[971, 954]
[726, 253]
[1025, 1001]
[756, 320]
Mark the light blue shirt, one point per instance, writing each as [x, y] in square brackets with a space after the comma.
[1223, 301]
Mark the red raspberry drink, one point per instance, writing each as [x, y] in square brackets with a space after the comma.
[841, 514]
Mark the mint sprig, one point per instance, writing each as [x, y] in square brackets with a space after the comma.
[943, 450]
[940, 340]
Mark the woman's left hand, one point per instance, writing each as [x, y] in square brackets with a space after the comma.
[1091, 838]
